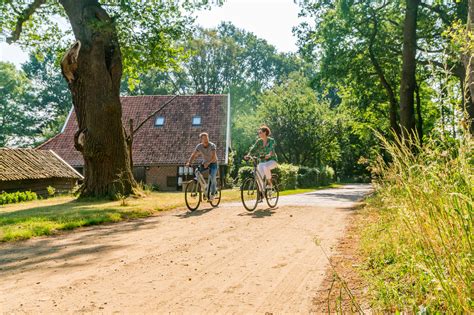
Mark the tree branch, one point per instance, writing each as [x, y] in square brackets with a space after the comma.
[154, 113]
[455, 69]
[25, 16]
[436, 9]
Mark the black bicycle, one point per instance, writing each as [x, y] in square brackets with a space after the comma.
[255, 188]
[193, 193]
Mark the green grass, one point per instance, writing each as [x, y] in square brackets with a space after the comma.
[418, 248]
[47, 217]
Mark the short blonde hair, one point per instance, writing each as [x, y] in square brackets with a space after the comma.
[203, 134]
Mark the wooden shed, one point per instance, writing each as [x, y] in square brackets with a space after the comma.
[35, 170]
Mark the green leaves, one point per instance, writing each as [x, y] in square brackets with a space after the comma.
[17, 123]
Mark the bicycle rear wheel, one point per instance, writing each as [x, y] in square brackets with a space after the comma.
[192, 195]
[249, 194]
[272, 194]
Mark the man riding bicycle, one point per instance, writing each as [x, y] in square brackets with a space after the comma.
[208, 151]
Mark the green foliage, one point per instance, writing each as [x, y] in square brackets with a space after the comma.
[147, 32]
[18, 122]
[326, 175]
[287, 176]
[49, 93]
[296, 116]
[419, 251]
[293, 177]
[19, 196]
[244, 173]
[308, 177]
[357, 47]
[51, 191]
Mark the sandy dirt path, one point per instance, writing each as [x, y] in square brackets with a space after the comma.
[224, 260]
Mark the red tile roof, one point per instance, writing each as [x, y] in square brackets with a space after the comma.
[172, 143]
[19, 164]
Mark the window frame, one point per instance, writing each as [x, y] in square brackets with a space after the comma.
[161, 125]
[196, 117]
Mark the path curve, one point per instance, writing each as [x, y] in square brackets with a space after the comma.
[224, 260]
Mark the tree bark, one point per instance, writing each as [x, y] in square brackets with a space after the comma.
[94, 82]
[408, 81]
[468, 60]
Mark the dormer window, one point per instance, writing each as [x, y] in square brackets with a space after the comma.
[159, 121]
[196, 120]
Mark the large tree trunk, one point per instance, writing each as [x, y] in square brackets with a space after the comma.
[94, 80]
[469, 65]
[408, 81]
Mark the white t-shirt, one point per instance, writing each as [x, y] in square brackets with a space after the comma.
[206, 152]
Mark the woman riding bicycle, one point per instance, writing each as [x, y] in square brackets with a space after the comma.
[264, 149]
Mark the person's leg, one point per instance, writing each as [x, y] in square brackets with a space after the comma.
[261, 169]
[264, 171]
[268, 171]
[213, 175]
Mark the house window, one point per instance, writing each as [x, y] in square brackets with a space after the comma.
[171, 181]
[159, 121]
[196, 120]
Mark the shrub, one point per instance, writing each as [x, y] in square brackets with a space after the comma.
[6, 198]
[244, 173]
[308, 177]
[292, 176]
[287, 176]
[51, 190]
[326, 175]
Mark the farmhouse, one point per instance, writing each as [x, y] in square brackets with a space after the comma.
[35, 170]
[166, 132]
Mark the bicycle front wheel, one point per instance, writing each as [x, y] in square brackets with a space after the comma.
[217, 197]
[272, 194]
[249, 194]
[192, 195]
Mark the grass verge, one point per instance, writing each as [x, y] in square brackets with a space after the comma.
[418, 254]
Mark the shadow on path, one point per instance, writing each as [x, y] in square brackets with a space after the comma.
[195, 213]
[27, 254]
[258, 214]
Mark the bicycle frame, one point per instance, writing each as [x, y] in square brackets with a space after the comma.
[260, 181]
[202, 182]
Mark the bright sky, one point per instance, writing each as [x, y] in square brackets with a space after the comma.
[272, 20]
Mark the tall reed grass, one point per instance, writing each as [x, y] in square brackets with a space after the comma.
[420, 249]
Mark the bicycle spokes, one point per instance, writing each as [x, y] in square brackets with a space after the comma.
[249, 194]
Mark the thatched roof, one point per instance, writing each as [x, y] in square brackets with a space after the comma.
[20, 164]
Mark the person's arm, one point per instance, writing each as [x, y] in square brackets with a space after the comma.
[213, 157]
[192, 157]
[252, 148]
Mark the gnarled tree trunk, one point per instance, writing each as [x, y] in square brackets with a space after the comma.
[408, 81]
[94, 73]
